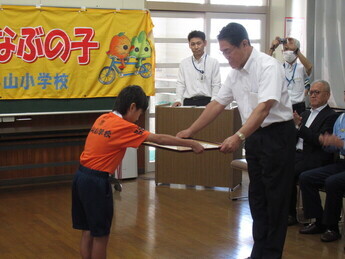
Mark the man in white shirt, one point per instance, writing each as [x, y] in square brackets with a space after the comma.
[295, 73]
[256, 84]
[309, 126]
[198, 77]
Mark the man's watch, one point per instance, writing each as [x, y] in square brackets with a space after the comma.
[240, 135]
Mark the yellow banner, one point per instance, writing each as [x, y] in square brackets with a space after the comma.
[52, 52]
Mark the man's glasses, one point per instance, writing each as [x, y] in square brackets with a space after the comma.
[316, 92]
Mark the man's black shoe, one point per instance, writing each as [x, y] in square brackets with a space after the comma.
[312, 229]
[330, 236]
[292, 220]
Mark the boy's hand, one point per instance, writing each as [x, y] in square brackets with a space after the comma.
[197, 147]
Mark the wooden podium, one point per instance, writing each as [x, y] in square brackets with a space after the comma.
[211, 168]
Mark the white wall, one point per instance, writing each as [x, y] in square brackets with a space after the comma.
[125, 4]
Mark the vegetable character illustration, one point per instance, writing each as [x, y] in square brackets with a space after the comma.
[140, 48]
[119, 47]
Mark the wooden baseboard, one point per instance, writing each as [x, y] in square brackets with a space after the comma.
[35, 180]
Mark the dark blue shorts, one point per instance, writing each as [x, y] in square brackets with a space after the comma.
[92, 201]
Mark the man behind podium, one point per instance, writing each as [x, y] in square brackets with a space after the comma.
[198, 76]
[256, 83]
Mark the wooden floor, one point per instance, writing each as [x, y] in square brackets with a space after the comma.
[163, 222]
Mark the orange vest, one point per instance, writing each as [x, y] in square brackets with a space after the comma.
[107, 141]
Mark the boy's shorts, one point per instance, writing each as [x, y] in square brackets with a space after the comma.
[92, 201]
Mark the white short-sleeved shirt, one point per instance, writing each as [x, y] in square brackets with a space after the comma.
[295, 76]
[191, 83]
[261, 79]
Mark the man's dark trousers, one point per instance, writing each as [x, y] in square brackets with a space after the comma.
[270, 153]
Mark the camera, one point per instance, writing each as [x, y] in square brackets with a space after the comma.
[283, 40]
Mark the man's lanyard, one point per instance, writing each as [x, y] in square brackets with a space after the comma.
[293, 75]
[199, 70]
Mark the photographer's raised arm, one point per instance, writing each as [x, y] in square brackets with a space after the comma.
[305, 62]
[275, 43]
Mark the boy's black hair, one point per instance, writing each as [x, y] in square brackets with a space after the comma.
[234, 33]
[196, 34]
[128, 95]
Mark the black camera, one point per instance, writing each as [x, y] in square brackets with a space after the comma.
[283, 40]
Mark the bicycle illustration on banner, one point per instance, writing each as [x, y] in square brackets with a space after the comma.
[121, 51]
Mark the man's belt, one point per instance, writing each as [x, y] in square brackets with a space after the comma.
[196, 98]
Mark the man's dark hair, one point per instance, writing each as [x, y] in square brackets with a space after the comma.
[128, 95]
[196, 34]
[234, 33]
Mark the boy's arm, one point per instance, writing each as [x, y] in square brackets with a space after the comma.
[163, 139]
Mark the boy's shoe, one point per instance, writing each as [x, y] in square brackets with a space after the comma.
[118, 186]
[330, 236]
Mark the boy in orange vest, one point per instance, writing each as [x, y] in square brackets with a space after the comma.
[105, 147]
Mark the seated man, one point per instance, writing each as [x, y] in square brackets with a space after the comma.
[309, 152]
[295, 73]
[332, 179]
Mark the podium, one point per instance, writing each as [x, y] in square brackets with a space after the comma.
[211, 168]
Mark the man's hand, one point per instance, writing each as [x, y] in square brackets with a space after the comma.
[231, 144]
[275, 43]
[296, 118]
[176, 104]
[331, 140]
[184, 134]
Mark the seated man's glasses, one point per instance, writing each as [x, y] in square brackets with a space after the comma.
[316, 92]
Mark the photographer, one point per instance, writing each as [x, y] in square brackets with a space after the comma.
[296, 74]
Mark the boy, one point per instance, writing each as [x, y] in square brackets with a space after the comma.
[111, 134]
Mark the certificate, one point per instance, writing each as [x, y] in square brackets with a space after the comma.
[207, 146]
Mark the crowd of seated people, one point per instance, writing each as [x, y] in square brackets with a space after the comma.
[330, 178]
[319, 165]
[320, 146]
[310, 125]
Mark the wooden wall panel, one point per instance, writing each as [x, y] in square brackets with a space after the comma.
[46, 145]
[211, 168]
